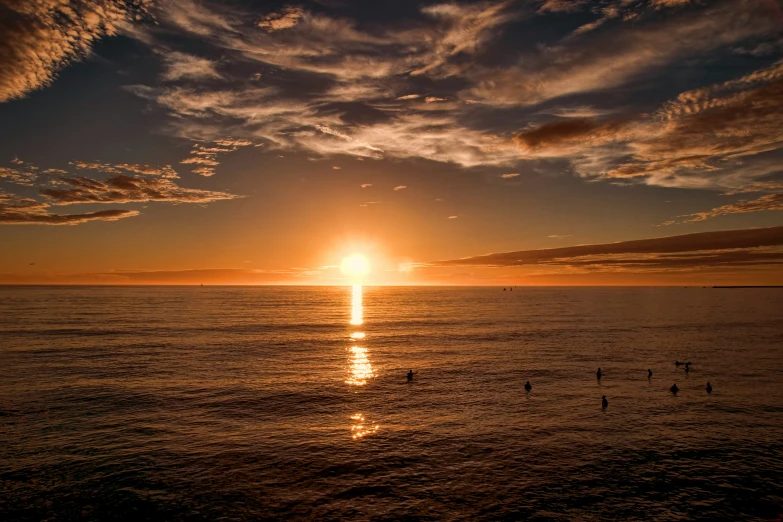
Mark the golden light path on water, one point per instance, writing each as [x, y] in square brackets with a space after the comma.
[357, 311]
[360, 367]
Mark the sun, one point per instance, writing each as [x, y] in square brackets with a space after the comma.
[355, 265]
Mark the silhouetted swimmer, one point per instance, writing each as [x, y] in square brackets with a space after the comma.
[709, 388]
[410, 375]
[604, 402]
[649, 373]
[674, 388]
[598, 374]
[527, 386]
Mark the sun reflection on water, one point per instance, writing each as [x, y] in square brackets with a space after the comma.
[356, 306]
[359, 429]
[361, 371]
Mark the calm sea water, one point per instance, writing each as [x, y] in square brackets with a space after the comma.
[228, 403]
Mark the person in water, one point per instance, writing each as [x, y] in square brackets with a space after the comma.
[527, 386]
[410, 375]
[604, 402]
[709, 388]
[649, 373]
[674, 388]
[598, 374]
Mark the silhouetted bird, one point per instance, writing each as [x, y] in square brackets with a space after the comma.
[527, 386]
[649, 373]
[709, 388]
[604, 402]
[674, 388]
[598, 374]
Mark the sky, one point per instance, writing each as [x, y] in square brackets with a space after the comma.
[519, 142]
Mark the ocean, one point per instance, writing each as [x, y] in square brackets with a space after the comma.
[269, 403]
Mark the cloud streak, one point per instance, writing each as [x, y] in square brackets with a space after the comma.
[705, 249]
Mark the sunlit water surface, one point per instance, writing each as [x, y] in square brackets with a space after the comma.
[264, 403]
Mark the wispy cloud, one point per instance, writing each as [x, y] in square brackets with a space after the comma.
[186, 66]
[204, 171]
[718, 137]
[144, 184]
[284, 19]
[17, 210]
[400, 187]
[764, 203]
[206, 155]
[613, 58]
[126, 189]
[509, 175]
[20, 177]
[147, 170]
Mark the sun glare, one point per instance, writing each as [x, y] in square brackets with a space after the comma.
[355, 266]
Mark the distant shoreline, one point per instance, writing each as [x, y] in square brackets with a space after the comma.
[749, 286]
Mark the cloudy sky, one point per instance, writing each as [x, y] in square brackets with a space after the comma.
[511, 142]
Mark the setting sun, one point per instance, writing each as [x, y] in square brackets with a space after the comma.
[355, 265]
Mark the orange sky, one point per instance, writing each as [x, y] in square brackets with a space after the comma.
[185, 142]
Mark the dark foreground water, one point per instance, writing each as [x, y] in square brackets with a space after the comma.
[270, 403]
